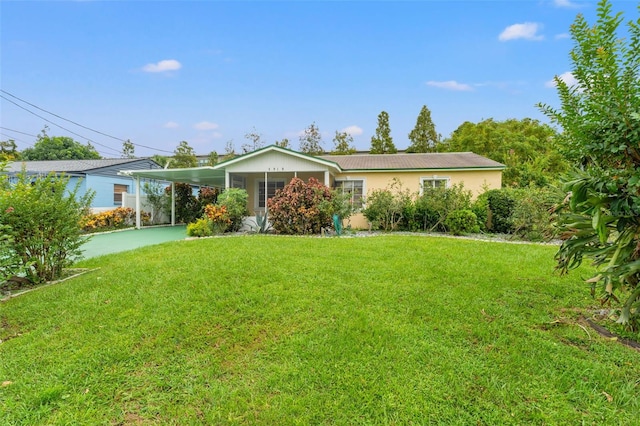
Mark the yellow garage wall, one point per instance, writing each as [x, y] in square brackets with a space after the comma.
[474, 180]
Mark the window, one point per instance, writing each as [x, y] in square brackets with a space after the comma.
[434, 182]
[117, 193]
[272, 187]
[239, 182]
[353, 187]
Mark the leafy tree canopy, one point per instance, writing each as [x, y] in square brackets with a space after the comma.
[424, 137]
[343, 144]
[382, 142]
[311, 140]
[59, 148]
[600, 120]
[527, 147]
[283, 143]
[183, 156]
[128, 149]
[255, 141]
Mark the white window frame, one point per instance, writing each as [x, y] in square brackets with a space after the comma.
[259, 183]
[338, 184]
[432, 180]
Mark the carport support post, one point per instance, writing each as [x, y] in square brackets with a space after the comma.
[173, 204]
[137, 181]
[326, 178]
[266, 196]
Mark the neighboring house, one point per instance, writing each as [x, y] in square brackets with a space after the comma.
[262, 172]
[101, 176]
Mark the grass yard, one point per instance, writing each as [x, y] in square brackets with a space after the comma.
[290, 330]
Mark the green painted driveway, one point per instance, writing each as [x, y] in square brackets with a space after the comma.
[115, 242]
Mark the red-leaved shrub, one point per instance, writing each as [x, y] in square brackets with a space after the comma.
[300, 207]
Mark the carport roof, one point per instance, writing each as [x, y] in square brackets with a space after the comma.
[201, 176]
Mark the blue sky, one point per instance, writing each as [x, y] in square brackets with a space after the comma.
[209, 72]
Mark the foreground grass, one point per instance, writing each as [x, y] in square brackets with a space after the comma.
[279, 330]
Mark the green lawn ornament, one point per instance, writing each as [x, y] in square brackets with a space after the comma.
[337, 224]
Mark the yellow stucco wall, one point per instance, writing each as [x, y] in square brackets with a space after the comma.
[474, 180]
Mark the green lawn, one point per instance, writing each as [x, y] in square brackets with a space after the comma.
[292, 330]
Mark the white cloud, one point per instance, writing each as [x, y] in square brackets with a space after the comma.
[450, 85]
[163, 66]
[353, 130]
[565, 3]
[205, 125]
[567, 77]
[170, 125]
[527, 31]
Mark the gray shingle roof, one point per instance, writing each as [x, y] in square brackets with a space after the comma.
[67, 166]
[445, 160]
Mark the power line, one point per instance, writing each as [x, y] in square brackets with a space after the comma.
[57, 125]
[78, 124]
[18, 131]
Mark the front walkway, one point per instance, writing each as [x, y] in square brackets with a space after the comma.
[115, 242]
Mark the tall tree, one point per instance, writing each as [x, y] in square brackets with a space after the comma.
[311, 140]
[184, 156]
[58, 148]
[255, 141]
[229, 150]
[527, 147]
[9, 150]
[382, 142]
[424, 137]
[128, 149]
[213, 158]
[600, 119]
[343, 144]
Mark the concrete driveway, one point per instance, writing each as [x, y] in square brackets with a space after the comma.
[115, 242]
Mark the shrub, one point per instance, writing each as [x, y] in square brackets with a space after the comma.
[501, 203]
[218, 217]
[200, 228]
[158, 199]
[10, 264]
[534, 214]
[301, 208]
[436, 204]
[234, 200]
[460, 222]
[42, 217]
[118, 218]
[187, 207]
[385, 207]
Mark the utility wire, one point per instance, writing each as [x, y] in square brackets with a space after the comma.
[18, 131]
[57, 125]
[78, 124]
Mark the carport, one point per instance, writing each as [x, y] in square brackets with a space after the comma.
[199, 176]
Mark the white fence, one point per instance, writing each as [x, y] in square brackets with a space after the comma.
[129, 200]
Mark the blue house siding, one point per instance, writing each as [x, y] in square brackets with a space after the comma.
[99, 176]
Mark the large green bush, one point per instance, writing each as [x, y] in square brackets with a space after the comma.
[435, 204]
[460, 222]
[43, 217]
[187, 206]
[500, 203]
[301, 207]
[385, 208]
[235, 202]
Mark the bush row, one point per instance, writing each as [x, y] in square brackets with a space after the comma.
[118, 218]
[527, 213]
